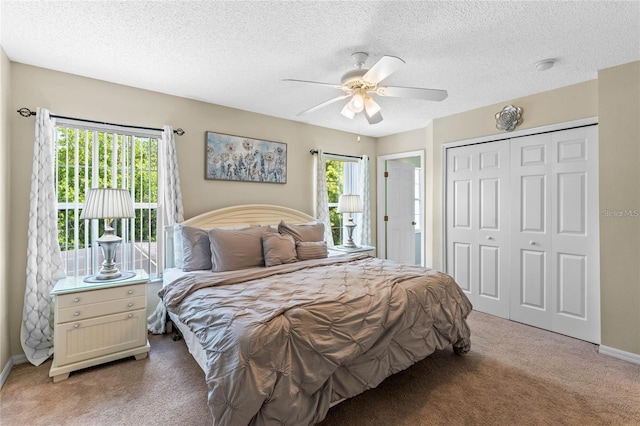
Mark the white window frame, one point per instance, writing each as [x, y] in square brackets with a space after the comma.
[130, 252]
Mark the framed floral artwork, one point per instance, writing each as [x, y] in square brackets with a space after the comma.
[238, 158]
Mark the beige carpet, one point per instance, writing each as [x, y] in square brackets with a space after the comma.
[514, 375]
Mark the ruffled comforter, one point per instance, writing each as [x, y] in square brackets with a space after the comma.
[285, 342]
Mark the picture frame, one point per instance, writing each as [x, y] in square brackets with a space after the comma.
[243, 159]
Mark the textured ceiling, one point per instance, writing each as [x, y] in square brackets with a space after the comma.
[237, 53]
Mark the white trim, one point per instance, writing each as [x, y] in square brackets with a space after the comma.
[14, 360]
[617, 353]
[490, 138]
[381, 208]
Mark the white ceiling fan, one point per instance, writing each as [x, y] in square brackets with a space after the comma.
[360, 83]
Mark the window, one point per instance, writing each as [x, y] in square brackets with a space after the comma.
[342, 178]
[100, 157]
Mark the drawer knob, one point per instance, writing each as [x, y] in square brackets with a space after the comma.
[76, 313]
[130, 305]
[130, 292]
[76, 325]
[130, 316]
[76, 300]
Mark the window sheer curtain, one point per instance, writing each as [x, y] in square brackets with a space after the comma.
[322, 198]
[174, 213]
[44, 260]
[363, 230]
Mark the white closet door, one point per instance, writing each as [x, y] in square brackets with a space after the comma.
[531, 258]
[554, 233]
[477, 224]
[576, 239]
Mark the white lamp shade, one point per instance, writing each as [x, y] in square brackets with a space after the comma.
[107, 203]
[349, 204]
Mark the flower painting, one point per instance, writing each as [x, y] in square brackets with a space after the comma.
[231, 157]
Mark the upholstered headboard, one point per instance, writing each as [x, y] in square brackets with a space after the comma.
[250, 214]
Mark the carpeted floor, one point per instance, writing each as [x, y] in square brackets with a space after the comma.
[514, 375]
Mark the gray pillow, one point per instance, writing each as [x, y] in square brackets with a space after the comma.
[278, 249]
[236, 249]
[307, 250]
[196, 254]
[303, 232]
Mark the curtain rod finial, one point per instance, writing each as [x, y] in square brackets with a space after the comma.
[179, 131]
[26, 112]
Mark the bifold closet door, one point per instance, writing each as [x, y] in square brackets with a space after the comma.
[478, 224]
[555, 268]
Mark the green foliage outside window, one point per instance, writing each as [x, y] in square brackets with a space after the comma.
[88, 159]
[335, 187]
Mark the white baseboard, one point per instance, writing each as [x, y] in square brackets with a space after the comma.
[617, 353]
[16, 359]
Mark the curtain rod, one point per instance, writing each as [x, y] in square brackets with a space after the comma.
[26, 112]
[315, 151]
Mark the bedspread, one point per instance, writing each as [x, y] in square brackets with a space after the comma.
[284, 342]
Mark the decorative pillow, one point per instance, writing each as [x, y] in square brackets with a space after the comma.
[236, 249]
[278, 249]
[196, 254]
[304, 232]
[308, 250]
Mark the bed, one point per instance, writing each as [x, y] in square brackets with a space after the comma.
[282, 336]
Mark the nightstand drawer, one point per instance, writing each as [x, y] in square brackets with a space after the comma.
[102, 295]
[92, 310]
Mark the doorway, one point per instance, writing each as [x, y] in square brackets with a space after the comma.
[401, 209]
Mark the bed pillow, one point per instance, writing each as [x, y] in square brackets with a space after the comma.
[236, 249]
[307, 250]
[278, 249]
[196, 254]
[303, 232]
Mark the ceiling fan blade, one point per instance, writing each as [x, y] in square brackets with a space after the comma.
[336, 86]
[322, 105]
[413, 92]
[372, 111]
[382, 69]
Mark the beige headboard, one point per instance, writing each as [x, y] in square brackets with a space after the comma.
[251, 214]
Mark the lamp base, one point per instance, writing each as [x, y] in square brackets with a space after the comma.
[350, 227]
[109, 243]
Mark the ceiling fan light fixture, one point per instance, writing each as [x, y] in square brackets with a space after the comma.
[371, 106]
[357, 102]
[347, 112]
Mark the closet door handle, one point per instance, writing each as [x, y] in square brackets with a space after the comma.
[532, 243]
[489, 238]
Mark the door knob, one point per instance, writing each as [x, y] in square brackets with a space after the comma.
[489, 238]
[533, 243]
[413, 223]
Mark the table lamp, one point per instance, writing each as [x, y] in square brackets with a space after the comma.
[108, 204]
[350, 204]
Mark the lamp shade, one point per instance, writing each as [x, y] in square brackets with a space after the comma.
[107, 203]
[349, 204]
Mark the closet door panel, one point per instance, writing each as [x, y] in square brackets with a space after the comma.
[477, 224]
[576, 241]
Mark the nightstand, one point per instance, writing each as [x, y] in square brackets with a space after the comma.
[98, 322]
[370, 250]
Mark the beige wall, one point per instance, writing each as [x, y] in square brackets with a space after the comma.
[75, 96]
[619, 117]
[5, 111]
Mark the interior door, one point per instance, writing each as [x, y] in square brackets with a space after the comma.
[478, 224]
[400, 226]
[555, 236]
